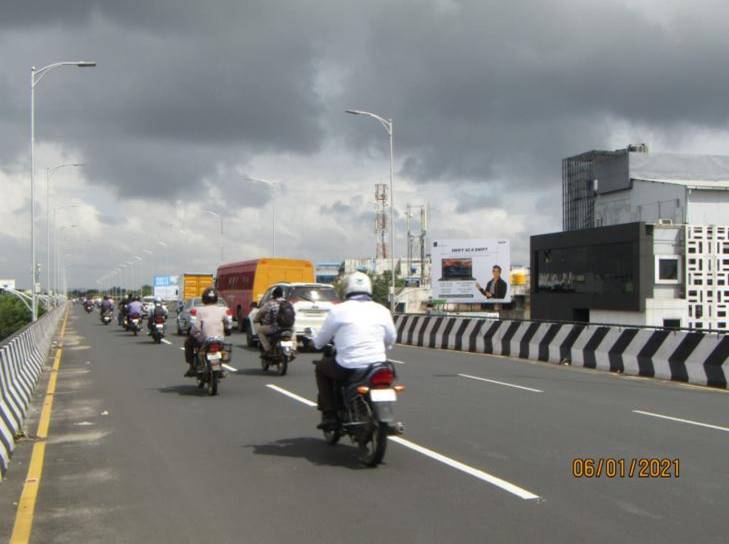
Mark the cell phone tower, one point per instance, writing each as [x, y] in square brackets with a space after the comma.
[381, 220]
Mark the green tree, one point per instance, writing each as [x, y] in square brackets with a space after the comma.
[13, 315]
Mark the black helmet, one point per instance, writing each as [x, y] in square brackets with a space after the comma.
[210, 296]
[277, 292]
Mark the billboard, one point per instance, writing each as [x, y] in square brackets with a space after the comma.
[167, 287]
[471, 271]
[7, 284]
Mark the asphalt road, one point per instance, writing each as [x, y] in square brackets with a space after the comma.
[137, 454]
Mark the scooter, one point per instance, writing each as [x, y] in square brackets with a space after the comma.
[134, 324]
[106, 317]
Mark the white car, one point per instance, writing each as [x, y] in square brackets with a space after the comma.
[311, 301]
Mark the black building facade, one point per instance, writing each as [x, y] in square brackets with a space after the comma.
[606, 268]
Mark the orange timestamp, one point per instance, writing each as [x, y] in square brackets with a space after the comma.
[637, 467]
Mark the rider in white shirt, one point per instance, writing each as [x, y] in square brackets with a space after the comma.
[362, 331]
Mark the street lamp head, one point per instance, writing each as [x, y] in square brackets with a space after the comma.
[86, 64]
[354, 112]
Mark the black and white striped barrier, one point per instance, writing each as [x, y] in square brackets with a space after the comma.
[693, 357]
[22, 357]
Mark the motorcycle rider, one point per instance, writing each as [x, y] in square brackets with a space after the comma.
[266, 319]
[211, 321]
[135, 307]
[159, 310]
[362, 331]
[107, 305]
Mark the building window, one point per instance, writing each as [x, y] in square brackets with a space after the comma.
[672, 323]
[668, 269]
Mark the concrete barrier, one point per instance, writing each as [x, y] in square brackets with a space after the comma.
[685, 356]
[22, 357]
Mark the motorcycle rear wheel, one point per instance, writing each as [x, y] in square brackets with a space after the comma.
[212, 384]
[372, 451]
[283, 365]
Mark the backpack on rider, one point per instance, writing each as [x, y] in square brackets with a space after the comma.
[286, 315]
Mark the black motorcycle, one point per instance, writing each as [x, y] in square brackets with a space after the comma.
[134, 323]
[209, 363]
[283, 351]
[106, 317]
[365, 409]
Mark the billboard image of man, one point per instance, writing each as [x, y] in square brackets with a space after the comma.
[496, 287]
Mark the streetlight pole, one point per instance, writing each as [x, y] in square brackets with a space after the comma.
[35, 77]
[49, 174]
[274, 185]
[220, 219]
[387, 124]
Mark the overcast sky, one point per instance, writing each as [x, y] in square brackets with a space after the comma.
[192, 99]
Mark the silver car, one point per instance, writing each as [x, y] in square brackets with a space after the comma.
[185, 319]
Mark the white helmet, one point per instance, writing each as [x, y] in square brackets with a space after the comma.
[358, 284]
[158, 300]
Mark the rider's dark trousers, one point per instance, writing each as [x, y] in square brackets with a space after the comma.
[327, 373]
[191, 344]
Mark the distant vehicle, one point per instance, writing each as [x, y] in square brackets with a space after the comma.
[244, 283]
[186, 317]
[148, 304]
[312, 302]
[192, 285]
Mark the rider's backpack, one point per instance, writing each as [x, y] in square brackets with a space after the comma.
[286, 315]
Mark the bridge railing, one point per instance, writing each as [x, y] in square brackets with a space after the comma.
[22, 358]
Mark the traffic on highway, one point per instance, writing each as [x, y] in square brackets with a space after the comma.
[484, 448]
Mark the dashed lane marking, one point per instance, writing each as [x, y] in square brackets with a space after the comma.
[165, 341]
[679, 420]
[501, 383]
[230, 368]
[462, 467]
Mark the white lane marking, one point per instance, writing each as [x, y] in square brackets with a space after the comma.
[500, 383]
[230, 368]
[476, 473]
[396, 361]
[697, 423]
[167, 342]
[182, 348]
[291, 395]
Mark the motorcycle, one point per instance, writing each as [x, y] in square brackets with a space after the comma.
[365, 408]
[209, 363]
[283, 352]
[159, 326]
[134, 323]
[89, 308]
[106, 317]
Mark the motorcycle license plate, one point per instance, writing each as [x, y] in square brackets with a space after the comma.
[160, 326]
[383, 395]
[287, 343]
[215, 356]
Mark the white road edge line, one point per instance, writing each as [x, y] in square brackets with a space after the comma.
[230, 368]
[697, 423]
[476, 473]
[396, 361]
[291, 395]
[500, 383]
[166, 341]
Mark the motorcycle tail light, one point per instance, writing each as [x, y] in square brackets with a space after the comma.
[213, 348]
[159, 320]
[229, 312]
[382, 377]
[193, 311]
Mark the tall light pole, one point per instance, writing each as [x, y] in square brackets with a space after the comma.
[55, 252]
[274, 185]
[49, 175]
[387, 123]
[220, 219]
[35, 77]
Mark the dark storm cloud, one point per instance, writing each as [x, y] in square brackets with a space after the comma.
[479, 90]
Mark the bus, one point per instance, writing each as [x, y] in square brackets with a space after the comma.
[245, 282]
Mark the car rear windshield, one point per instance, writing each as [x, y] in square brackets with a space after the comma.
[314, 294]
